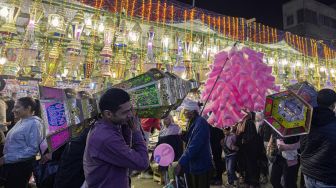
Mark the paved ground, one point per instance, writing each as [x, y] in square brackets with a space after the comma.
[149, 183]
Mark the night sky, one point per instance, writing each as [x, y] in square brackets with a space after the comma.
[268, 12]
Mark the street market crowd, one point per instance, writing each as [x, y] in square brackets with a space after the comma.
[113, 148]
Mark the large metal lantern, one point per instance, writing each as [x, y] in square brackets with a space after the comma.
[288, 114]
[306, 91]
[154, 93]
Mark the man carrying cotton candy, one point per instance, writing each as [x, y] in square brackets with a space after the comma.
[196, 159]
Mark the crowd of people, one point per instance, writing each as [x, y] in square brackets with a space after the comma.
[115, 145]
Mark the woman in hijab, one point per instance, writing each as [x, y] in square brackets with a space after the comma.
[170, 134]
[250, 151]
[170, 128]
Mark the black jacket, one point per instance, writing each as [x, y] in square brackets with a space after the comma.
[318, 148]
[70, 173]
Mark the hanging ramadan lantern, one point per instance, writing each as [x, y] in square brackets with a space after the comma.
[281, 70]
[35, 15]
[293, 79]
[56, 24]
[166, 59]
[187, 55]
[179, 67]
[29, 50]
[187, 48]
[90, 55]
[196, 46]
[134, 65]
[120, 65]
[305, 74]
[12, 55]
[200, 67]
[150, 58]
[120, 60]
[134, 35]
[55, 30]
[121, 35]
[27, 58]
[41, 59]
[106, 53]
[328, 83]
[74, 49]
[9, 13]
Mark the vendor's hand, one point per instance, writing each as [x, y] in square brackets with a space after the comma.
[134, 123]
[280, 144]
[2, 161]
[178, 169]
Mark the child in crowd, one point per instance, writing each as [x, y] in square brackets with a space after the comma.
[230, 151]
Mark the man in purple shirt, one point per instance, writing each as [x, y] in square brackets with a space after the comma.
[109, 151]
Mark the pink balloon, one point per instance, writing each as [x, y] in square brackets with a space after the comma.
[164, 155]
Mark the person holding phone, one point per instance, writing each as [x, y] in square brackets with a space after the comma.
[115, 143]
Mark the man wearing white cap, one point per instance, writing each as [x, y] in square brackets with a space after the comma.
[196, 159]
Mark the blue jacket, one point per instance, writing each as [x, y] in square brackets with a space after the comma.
[197, 156]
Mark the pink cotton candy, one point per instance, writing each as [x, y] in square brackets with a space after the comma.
[242, 85]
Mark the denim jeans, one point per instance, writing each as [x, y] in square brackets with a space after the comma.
[312, 183]
[230, 162]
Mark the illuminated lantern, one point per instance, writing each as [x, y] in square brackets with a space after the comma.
[150, 59]
[106, 53]
[74, 49]
[9, 13]
[179, 67]
[134, 35]
[55, 29]
[166, 59]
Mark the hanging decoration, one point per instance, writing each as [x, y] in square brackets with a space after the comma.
[74, 49]
[90, 54]
[56, 29]
[179, 67]
[106, 53]
[150, 58]
[120, 59]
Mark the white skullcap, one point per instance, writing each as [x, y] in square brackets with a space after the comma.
[190, 105]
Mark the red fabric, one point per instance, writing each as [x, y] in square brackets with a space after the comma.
[149, 123]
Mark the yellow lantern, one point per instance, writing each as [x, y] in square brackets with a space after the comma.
[12, 56]
[9, 12]
[90, 60]
[28, 52]
[55, 29]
